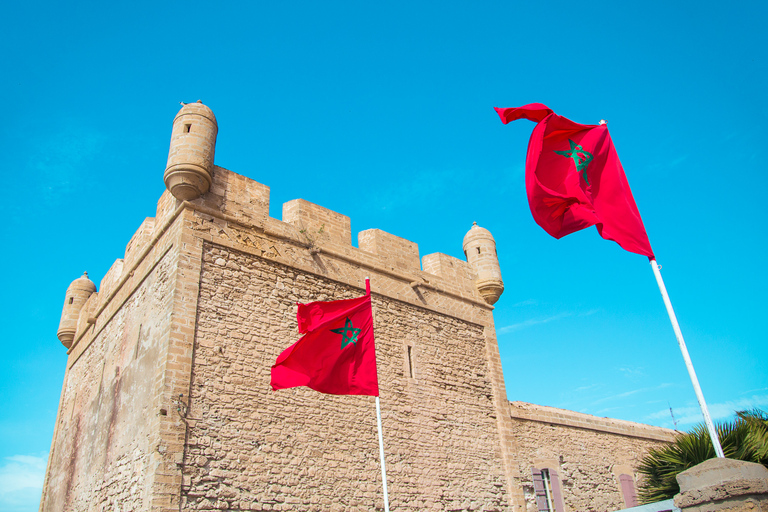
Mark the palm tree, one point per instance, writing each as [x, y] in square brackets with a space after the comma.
[744, 439]
[757, 439]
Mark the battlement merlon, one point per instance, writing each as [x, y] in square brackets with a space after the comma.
[239, 200]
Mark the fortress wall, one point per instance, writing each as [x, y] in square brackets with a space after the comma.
[250, 448]
[107, 446]
[124, 440]
[587, 453]
[453, 293]
[103, 442]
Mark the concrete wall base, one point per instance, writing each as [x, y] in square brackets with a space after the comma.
[723, 485]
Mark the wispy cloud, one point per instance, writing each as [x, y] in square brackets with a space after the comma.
[533, 321]
[690, 415]
[625, 394]
[581, 389]
[677, 161]
[527, 302]
[630, 371]
[21, 482]
[748, 392]
[605, 410]
[542, 320]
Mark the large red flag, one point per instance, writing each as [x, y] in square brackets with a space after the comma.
[575, 180]
[337, 353]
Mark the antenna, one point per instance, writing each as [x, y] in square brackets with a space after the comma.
[674, 421]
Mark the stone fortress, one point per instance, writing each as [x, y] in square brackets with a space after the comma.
[166, 403]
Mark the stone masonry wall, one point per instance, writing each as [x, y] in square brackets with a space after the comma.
[102, 450]
[250, 448]
[588, 453]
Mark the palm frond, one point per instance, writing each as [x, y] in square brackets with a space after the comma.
[746, 438]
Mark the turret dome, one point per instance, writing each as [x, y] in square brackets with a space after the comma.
[480, 251]
[189, 172]
[77, 293]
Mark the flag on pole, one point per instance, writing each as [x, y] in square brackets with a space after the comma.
[336, 355]
[574, 179]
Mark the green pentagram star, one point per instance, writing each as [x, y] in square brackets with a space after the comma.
[580, 157]
[349, 334]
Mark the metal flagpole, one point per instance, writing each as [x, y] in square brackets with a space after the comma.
[381, 454]
[687, 358]
[381, 434]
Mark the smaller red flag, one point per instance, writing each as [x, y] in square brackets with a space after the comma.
[574, 179]
[336, 355]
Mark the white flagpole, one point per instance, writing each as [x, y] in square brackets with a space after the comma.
[381, 454]
[687, 358]
[381, 434]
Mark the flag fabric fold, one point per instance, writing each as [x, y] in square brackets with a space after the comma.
[336, 355]
[574, 179]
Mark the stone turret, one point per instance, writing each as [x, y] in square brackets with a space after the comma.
[189, 172]
[480, 250]
[77, 293]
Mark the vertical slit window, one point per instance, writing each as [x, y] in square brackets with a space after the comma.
[187, 128]
[409, 351]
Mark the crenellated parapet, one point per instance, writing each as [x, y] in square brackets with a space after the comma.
[232, 208]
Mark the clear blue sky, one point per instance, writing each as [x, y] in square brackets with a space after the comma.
[384, 112]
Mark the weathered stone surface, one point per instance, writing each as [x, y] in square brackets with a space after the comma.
[720, 485]
[103, 441]
[588, 453]
[252, 445]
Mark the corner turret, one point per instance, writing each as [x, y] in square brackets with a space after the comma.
[77, 293]
[189, 171]
[480, 250]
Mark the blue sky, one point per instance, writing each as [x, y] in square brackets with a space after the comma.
[384, 112]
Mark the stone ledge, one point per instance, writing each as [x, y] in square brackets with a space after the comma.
[723, 484]
[552, 415]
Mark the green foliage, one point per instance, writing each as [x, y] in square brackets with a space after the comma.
[744, 439]
[757, 439]
[311, 236]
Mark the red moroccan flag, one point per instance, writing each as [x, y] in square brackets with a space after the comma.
[337, 353]
[575, 180]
